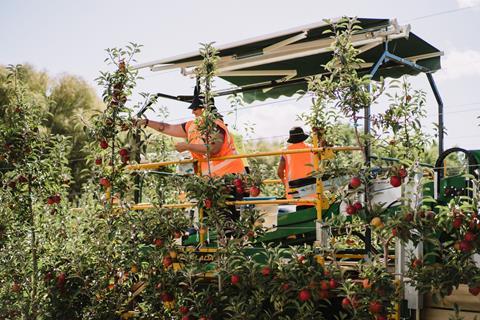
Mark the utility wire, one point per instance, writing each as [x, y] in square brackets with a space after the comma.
[440, 13]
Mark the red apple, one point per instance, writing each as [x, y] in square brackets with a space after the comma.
[358, 205]
[238, 182]
[103, 144]
[346, 303]
[333, 283]
[235, 279]
[57, 198]
[183, 310]
[351, 210]
[304, 295]
[167, 261]
[402, 173]
[395, 181]
[239, 190]
[254, 191]
[207, 203]
[324, 285]
[98, 161]
[61, 280]
[375, 307]
[50, 201]
[470, 236]
[123, 152]
[104, 182]
[457, 223]
[158, 242]
[266, 271]
[355, 182]
[465, 246]
[474, 290]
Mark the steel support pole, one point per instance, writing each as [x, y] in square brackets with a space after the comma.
[137, 193]
[436, 93]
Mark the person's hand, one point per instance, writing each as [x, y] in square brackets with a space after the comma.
[181, 146]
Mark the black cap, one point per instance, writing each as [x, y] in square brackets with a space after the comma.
[297, 135]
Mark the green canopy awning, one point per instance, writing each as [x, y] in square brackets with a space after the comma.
[277, 64]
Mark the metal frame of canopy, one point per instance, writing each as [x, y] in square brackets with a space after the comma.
[265, 60]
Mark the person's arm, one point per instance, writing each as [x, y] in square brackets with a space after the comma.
[174, 130]
[281, 169]
[215, 146]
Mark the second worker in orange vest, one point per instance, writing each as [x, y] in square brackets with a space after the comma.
[295, 165]
[222, 142]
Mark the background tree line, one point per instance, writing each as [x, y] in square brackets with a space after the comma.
[66, 100]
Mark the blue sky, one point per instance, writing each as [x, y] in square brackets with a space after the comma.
[70, 37]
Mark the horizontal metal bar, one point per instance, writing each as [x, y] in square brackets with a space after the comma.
[272, 181]
[406, 62]
[156, 165]
[144, 206]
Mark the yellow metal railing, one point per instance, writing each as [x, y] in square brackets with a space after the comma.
[156, 165]
[144, 206]
[322, 153]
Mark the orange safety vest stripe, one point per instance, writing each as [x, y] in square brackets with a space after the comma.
[221, 167]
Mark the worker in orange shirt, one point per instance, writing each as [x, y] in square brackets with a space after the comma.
[222, 142]
[295, 166]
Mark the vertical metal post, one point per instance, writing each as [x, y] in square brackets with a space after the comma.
[366, 120]
[436, 93]
[137, 193]
[318, 182]
[366, 130]
[200, 211]
[368, 151]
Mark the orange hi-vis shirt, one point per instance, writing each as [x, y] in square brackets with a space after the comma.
[297, 165]
[221, 167]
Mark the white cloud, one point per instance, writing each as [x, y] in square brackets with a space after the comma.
[457, 64]
[467, 3]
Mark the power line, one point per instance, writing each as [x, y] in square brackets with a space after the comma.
[442, 13]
